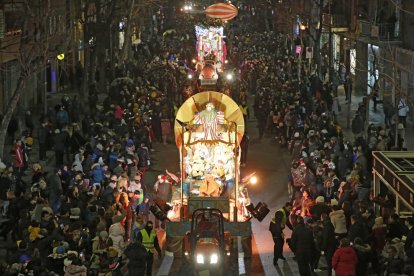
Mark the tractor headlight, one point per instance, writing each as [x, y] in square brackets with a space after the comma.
[200, 259]
[213, 258]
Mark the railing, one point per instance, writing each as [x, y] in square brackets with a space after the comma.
[388, 31]
[383, 31]
[337, 21]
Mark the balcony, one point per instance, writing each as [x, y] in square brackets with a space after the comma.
[339, 22]
[381, 32]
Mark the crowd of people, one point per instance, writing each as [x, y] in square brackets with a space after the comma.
[90, 212]
[331, 209]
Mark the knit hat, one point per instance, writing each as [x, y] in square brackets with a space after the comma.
[130, 143]
[320, 199]
[334, 202]
[116, 219]
[379, 221]
[103, 234]
[75, 213]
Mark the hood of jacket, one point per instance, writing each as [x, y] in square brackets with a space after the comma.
[338, 213]
[363, 248]
[116, 229]
[75, 269]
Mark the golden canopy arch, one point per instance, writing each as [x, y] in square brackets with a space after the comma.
[197, 102]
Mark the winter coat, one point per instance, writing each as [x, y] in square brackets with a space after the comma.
[357, 125]
[302, 240]
[42, 134]
[60, 141]
[344, 162]
[409, 243]
[318, 209]
[329, 242]
[117, 233]
[364, 255]
[143, 157]
[19, 156]
[379, 234]
[62, 117]
[75, 270]
[402, 108]
[77, 163]
[5, 184]
[335, 106]
[338, 220]
[97, 174]
[358, 229]
[118, 112]
[344, 261]
[136, 254]
[54, 186]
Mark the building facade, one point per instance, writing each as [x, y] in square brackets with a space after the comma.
[45, 28]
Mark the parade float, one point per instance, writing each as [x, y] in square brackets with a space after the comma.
[211, 47]
[208, 129]
[211, 53]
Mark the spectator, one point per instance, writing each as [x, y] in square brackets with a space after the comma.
[338, 220]
[379, 233]
[409, 242]
[344, 260]
[329, 242]
[319, 208]
[364, 255]
[302, 244]
[395, 227]
[357, 229]
[136, 255]
[403, 110]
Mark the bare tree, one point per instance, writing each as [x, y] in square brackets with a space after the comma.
[36, 45]
[136, 8]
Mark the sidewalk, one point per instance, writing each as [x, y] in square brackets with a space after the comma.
[376, 118]
[53, 99]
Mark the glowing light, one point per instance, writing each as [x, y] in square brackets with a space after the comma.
[253, 180]
[213, 258]
[193, 60]
[190, 76]
[229, 76]
[60, 56]
[200, 259]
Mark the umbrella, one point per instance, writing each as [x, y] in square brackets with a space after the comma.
[168, 32]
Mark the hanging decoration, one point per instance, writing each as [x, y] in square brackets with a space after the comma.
[222, 11]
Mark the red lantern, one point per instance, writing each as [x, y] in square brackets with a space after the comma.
[222, 11]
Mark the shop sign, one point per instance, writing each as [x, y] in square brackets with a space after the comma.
[309, 52]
